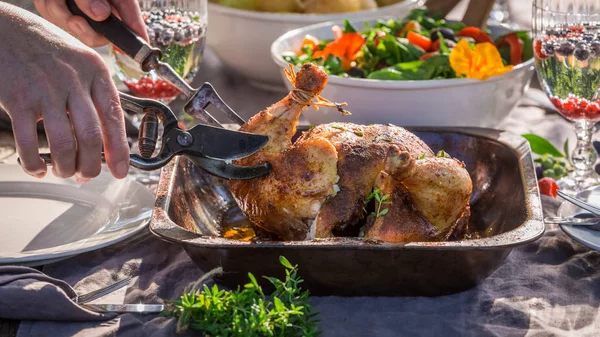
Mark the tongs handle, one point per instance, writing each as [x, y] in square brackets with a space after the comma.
[115, 31]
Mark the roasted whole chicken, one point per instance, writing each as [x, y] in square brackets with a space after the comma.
[341, 179]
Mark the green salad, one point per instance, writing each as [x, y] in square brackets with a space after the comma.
[417, 47]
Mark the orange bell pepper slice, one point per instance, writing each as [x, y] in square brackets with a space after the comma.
[311, 41]
[419, 40]
[476, 34]
[345, 47]
[516, 49]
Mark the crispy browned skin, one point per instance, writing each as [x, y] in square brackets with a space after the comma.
[428, 196]
[304, 174]
[361, 154]
[327, 174]
[441, 190]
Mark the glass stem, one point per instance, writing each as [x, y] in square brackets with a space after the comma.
[584, 156]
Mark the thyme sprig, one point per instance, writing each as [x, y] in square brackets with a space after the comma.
[247, 311]
[381, 200]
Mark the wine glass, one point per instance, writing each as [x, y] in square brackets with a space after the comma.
[567, 58]
[178, 29]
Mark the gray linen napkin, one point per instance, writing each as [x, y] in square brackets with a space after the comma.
[29, 294]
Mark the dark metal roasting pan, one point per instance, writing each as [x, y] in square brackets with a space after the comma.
[505, 205]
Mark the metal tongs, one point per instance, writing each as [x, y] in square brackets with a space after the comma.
[208, 146]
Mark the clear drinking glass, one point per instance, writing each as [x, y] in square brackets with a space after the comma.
[178, 29]
[567, 52]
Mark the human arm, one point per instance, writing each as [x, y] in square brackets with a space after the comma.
[49, 75]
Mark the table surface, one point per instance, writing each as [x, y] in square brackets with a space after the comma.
[247, 101]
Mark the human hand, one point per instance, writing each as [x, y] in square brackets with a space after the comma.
[49, 75]
[56, 11]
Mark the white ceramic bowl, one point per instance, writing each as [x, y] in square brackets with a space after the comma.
[242, 39]
[447, 102]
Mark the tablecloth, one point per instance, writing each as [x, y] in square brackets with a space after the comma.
[547, 288]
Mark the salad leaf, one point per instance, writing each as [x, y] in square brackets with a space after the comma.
[392, 50]
[455, 26]
[443, 46]
[290, 57]
[415, 51]
[368, 60]
[348, 27]
[323, 44]
[434, 67]
[438, 66]
[388, 74]
[428, 22]
[417, 13]
[426, 19]
[334, 65]
[412, 65]
[505, 54]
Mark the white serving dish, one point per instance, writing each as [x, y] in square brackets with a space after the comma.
[447, 102]
[242, 39]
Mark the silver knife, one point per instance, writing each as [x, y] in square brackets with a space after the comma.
[125, 308]
[572, 220]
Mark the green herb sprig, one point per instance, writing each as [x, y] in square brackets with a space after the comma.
[179, 58]
[555, 164]
[248, 312]
[381, 200]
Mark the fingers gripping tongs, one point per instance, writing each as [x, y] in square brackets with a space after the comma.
[208, 146]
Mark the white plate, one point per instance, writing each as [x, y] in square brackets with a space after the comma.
[45, 220]
[580, 234]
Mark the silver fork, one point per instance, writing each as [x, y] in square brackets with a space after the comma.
[581, 204]
[587, 223]
[96, 294]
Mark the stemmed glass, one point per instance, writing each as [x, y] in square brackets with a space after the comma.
[178, 29]
[567, 58]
